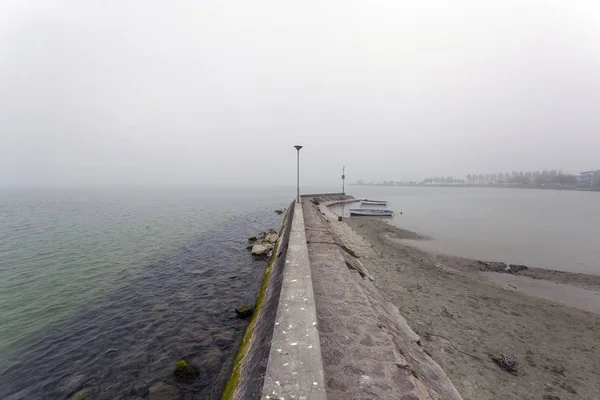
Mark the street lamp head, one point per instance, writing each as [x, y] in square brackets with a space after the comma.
[298, 147]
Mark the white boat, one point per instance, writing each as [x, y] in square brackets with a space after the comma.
[374, 202]
[371, 212]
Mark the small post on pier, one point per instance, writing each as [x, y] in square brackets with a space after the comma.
[298, 175]
[344, 179]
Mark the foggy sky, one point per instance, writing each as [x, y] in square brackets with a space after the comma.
[196, 92]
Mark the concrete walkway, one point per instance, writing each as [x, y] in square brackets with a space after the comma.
[295, 368]
[369, 352]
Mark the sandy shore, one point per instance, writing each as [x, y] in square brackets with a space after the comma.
[463, 319]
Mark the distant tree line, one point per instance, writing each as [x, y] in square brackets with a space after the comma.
[512, 178]
[443, 180]
[523, 178]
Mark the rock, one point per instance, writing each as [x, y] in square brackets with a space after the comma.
[515, 269]
[222, 338]
[160, 307]
[212, 361]
[249, 247]
[493, 266]
[185, 372]
[161, 391]
[260, 250]
[272, 237]
[244, 312]
[252, 239]
[185, 297]
[279, 212]
[203, 320]
[83, 394]
[506, 363]
[71, 383]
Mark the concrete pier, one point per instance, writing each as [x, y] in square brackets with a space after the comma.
[295, 368]
[323, 330]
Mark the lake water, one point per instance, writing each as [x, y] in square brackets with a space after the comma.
[541, 228]
[108, 288]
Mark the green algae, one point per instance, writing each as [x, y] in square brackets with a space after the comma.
[185, 372]
[234, 379]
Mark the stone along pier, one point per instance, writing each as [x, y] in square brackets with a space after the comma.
[322, 330]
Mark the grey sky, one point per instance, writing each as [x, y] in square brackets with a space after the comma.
[199, 91]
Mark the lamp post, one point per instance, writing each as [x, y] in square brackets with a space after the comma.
[344, 179]
[298, 175]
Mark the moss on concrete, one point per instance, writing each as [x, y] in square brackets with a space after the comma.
[234, 379]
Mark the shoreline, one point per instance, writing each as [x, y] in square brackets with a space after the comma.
[463, 318]
[403, 237]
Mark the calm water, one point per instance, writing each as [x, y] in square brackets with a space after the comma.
[108, 288]
[542, 228]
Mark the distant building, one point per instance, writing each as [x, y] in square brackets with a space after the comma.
[589, 179]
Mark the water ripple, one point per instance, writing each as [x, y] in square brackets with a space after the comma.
[146, 297]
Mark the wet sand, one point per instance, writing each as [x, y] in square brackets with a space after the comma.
[569, 295]
[463, 318]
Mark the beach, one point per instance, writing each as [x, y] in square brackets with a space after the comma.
[464, 319]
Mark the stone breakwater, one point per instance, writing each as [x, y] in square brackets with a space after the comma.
[321, 329]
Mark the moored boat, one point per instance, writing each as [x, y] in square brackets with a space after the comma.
[374, 202]
[371, 212]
